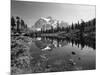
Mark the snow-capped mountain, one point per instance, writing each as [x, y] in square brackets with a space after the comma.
[42, 23]
[46, 23]
[63, 24]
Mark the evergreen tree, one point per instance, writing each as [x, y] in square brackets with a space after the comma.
[22, 24]
[18, 23]
[12, 23]
[82, 25]
[72, 27]
[58, 26]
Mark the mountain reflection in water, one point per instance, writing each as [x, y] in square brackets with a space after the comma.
[52, 54]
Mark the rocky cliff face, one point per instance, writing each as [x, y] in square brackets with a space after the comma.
[46, 23]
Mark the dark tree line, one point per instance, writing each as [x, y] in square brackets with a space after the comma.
[17, 24]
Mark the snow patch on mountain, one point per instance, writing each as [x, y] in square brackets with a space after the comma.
[46, 19]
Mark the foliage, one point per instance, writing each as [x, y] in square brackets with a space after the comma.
[17, 24]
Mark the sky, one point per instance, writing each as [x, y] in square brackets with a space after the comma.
[30, 12]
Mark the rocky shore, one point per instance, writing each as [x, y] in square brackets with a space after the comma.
[20, 56]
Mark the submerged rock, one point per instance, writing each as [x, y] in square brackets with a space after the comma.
[79, 58]
[71, 61]
[73, 53]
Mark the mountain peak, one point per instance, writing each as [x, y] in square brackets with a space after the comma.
[46, 23]
[49, 17]
[46, 19]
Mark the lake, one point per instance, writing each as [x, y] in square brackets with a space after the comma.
[52, 54]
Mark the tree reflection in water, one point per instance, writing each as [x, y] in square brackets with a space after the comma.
[60, 42]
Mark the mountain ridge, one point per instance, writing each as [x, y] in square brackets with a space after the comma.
[46, 23]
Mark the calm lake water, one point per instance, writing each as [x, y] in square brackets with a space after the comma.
[62, 54]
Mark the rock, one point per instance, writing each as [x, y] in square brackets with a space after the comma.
[72, 62]
[73, 53]
[79, 58]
